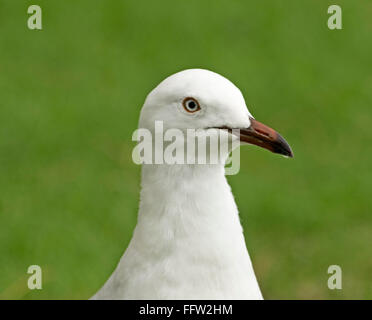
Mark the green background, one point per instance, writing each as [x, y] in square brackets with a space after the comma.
[70, 97]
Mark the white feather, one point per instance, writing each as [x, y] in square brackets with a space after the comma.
[188, 242]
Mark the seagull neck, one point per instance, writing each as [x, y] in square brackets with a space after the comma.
[188, 223]
[196, 193]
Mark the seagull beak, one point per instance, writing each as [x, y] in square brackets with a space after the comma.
[265, 137]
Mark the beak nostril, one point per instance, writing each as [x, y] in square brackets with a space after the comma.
[262, 132]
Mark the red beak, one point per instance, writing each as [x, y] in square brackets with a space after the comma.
[265, 137]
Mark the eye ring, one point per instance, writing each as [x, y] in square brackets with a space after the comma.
[191, 105]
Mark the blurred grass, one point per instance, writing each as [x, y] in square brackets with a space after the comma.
[70, 100]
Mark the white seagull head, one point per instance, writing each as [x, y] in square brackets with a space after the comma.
[188, 242]
[202, 99]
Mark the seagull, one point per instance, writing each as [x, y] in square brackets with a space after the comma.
[188, 242]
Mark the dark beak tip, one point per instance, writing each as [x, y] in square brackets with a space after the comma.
[290, 155]
[283, 148]
[285, 153]
[288, 152]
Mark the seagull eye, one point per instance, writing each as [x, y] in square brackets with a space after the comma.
[191, 105]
